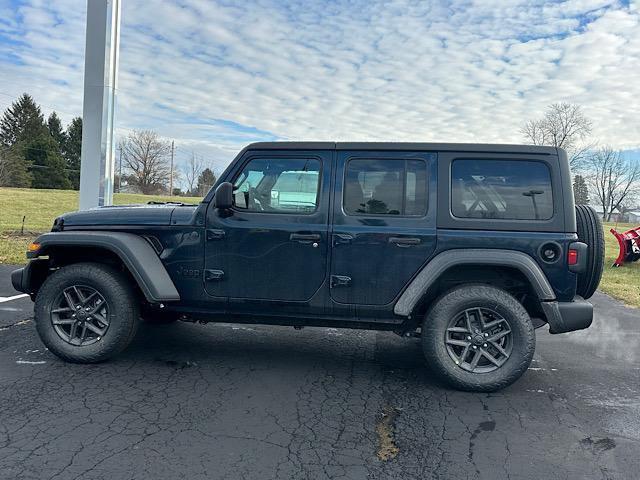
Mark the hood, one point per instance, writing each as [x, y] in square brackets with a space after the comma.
[120, 215]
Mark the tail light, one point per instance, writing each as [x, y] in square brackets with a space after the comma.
[577, 257]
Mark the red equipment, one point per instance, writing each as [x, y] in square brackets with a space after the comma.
[629, 242]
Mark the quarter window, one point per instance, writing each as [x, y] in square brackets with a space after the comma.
[501, 189]
[385, 187]
[278, 185]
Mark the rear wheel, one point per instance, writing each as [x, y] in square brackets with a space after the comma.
[590, 232]
[478, 338]
[86, 312]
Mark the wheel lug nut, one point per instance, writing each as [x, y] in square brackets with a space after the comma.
[485, 345]
[486, 334]
[468, 338]
[475, 347]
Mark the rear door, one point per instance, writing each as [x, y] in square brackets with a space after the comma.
[384, 226]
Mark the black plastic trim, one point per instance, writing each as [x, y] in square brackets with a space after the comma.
[566, 317]
[581, 266]
[490, 257]
[136, 252]
[28, 278]
[16, 280]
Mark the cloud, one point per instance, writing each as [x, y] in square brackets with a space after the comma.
[218, 75]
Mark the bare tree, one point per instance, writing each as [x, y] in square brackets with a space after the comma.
[145, 156]
[564, 125]
[192, 170]
[614, 179]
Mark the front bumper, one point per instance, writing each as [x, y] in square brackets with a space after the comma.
[16, 280]
[29, 278]
[568, 316]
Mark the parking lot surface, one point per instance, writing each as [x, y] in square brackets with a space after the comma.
[228, 401]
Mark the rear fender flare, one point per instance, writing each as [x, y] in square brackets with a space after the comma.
[136, 253]
[439, 264]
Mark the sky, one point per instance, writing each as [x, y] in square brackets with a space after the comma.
[217, 75]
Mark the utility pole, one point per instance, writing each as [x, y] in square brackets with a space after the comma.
[171, 174]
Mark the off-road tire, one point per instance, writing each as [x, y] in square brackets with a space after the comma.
[590, 232]
[470, 296]
[123, 311]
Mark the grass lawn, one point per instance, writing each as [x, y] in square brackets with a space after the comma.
[623, 282]
[41, 207]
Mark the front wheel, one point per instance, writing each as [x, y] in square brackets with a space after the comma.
[478, 338]
[86, 312]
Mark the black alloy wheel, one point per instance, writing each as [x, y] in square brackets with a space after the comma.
[80, 315]
[479, 340]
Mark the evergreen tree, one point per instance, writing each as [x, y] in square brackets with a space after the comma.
[205, 181]
[580, 190]
[72, 151]
[13, 169]
[47, 165]
[54, 126]
[23, 120]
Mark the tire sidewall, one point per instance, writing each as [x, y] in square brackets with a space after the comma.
[121, 312]
[460, 299]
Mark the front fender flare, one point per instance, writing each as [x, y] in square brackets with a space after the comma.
[489, 257]
[134, 251]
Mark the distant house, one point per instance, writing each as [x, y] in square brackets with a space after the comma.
[634, 217]
[630, 216]
[616, 216]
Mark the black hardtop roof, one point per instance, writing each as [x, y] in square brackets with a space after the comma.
[407, 146]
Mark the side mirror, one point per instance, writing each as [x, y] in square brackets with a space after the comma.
[223, 198]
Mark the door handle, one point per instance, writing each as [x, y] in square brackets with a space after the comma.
[340, 281]
[215, 234]
[213, 275]
[305, 237]
[342, 238]
[405, 241]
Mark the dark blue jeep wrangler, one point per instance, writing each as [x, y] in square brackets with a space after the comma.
[471, 247]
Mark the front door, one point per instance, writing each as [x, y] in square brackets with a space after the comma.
[273, 244]
[384, 223]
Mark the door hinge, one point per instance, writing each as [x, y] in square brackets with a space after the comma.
[215, 234]
[340, 281]
[213, 275]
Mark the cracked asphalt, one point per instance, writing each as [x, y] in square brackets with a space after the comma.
[257, 402]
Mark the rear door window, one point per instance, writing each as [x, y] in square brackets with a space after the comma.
[385, 187]
[501, 189]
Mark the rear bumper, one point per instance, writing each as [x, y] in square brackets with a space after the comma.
[568, 316]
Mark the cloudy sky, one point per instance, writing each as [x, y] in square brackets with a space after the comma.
[216, 75]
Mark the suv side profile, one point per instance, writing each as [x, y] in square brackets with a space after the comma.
[470, 247]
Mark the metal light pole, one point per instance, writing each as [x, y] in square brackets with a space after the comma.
[100, 82]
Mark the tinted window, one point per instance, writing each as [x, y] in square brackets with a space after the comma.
[385, 187]
[288, 185]
[501, 189]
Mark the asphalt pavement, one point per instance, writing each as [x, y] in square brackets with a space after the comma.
[260, 402]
